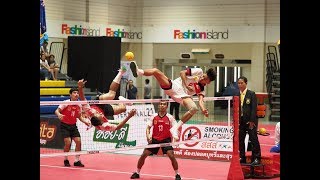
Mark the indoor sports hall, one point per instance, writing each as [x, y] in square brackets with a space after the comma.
[97, 41]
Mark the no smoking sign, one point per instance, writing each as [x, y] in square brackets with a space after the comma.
[191, 133]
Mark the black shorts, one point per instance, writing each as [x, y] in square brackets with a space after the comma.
[107, 108]
[68, 130]
[164, 149]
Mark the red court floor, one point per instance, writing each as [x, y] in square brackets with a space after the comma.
[117, 166]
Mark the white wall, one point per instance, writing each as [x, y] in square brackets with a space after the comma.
[161, 14]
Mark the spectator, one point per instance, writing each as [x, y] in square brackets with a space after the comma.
[44, 49]
[54, 67]
[132, 91]
[45, 70]
[276, 147]
[147, 90]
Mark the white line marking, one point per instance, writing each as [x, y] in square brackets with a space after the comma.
[118, 172]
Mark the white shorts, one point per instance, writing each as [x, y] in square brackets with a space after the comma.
[177, 92]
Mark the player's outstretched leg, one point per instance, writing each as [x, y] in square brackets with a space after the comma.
[114, 86]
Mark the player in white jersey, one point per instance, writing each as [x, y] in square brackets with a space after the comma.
[191, 82]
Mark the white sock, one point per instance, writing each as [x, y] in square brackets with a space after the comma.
[122, 98]
[140, 72]
[66, 158]
[138, 171]
[77, 158]
[117, 79]
[180, 123]
[177, 172]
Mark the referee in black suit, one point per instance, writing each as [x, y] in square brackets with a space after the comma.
[248, 122]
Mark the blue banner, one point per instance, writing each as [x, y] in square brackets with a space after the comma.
[43, 24]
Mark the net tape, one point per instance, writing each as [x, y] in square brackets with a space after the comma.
[46, 103]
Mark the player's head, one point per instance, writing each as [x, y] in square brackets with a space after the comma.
[242, 83]
[95, 121]
[163, 105]
[211, 73]
[208, 77]
[96, 116]
[74, 93]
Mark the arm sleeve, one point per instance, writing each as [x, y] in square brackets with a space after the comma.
[172, 120]
[150, 121]
[253, 106]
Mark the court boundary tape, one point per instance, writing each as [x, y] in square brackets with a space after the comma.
[174, 144]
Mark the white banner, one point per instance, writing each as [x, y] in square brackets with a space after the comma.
[167, 34]
[224, 134]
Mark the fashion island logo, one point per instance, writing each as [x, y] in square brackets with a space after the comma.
[123, 33]
[79, 30]
[179, 34]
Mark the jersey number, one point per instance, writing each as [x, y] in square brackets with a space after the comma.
[73, 113]
[160, 128]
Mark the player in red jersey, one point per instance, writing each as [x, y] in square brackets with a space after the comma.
[161, 123]
[97, 112]
[68, 115]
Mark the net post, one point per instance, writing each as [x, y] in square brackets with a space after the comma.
[235, 170]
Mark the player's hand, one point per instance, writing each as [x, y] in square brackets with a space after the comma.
[88, 123]
[251, 124]
[205, 112]
[149, 139]
[190, 88]
[60, 116]
[174, 146]
[81, 83]
[132, 113]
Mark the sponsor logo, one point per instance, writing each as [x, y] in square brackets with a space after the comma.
[179, 34]
[47, 132]
[109, 136]
[79, 30]
[123, 34]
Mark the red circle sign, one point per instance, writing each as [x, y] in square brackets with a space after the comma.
[191, 133]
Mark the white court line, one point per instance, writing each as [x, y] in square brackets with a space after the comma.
[118, 172]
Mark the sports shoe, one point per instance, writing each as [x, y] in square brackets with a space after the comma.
[178, 177]
[78, 163]
[134, 68]
[135, 176]
[125, 99]
[175, 134]
[66, 163]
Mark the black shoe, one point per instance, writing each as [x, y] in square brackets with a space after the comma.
[243, 160]
[133, 67]
[178, 177]
[135, 176]
[66, 163]
[78, 163]
[256, 162]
